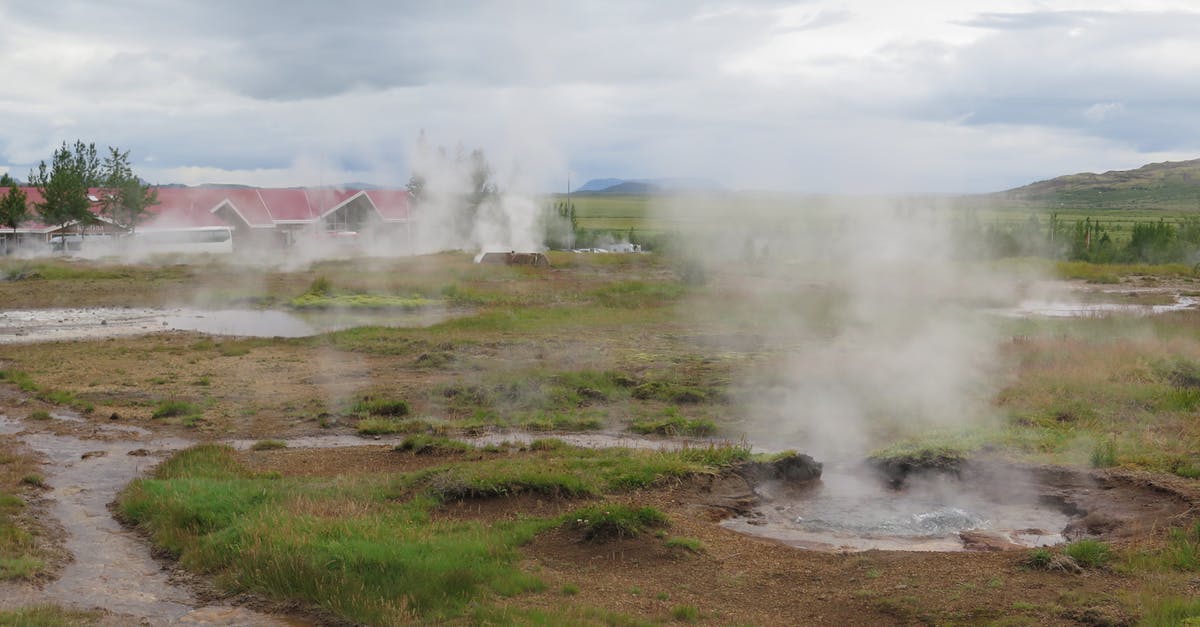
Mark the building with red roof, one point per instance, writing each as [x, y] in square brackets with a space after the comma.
[254, 216]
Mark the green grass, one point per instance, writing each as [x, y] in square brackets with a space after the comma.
[674, 424]
[561, 422]
[1112, 272]
[174, 408]
[672, 392]
[47, 616]
[20, 379]
[1171, 611]
[1104, 454]
[1181, 553]
[361, 301]
[685, 613]
[24, 567]
[602, 523]
[39, 414]
[379, 558]
[637, 294]
[422, 444]
[1089, 553]
[381, 407]
[691, 545]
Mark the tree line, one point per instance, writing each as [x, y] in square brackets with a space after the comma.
[1093, 240]
[67, 184]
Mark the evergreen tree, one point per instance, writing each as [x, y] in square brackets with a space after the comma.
[126, 200]
[14, 208]
[64, 184]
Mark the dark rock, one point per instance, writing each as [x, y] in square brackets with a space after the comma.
[790, 467]
[896, 470]
[91, 454]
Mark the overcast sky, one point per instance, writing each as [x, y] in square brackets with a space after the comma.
[819, 96]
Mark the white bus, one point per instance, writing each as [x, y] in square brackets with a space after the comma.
[200, 239]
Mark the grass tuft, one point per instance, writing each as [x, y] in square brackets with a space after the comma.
[602, 523]
[1089, 553]
[381, 407]
[174, 408]
[685, 613]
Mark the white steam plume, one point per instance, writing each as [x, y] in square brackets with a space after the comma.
[873, 325]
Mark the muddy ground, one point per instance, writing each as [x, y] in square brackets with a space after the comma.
[102, 434]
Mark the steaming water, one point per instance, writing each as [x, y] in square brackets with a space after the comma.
[50, 325]
[1064, 309]
[849, 510]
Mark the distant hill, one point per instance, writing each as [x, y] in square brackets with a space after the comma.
[598, 185]
[646, 186]
[1166, 185]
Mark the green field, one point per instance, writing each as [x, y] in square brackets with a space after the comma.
[657, 214]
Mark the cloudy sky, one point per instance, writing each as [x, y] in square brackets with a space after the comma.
[821, 96]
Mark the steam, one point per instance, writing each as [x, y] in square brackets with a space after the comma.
[871, 324]
[463, 207]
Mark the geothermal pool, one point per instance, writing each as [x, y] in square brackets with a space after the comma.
[850, 509]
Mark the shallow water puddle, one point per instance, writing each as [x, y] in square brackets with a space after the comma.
[49, 325]
[1066, 309]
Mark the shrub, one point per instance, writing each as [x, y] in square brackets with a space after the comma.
[40, 414]
[268, 445]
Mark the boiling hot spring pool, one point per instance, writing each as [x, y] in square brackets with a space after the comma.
[852, 508]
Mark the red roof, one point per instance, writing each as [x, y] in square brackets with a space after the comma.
[392, 204]
[188, 207]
